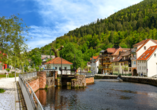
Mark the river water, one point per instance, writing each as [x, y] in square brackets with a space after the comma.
[103, 95]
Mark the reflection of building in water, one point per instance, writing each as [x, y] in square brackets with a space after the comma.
[53, 99]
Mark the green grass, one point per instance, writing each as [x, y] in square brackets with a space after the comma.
[10, 75]
[2, 90]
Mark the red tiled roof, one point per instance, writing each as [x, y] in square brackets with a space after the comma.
[117, 51]
[147, 53]
[140, 43]
[111, 50]
[58, 61]
[145, 43]
[94, 57]
[123, 53]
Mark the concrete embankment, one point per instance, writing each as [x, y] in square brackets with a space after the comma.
[135, 79]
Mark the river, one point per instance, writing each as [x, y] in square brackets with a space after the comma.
[103, 95]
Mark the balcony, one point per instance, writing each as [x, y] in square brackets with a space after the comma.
[107, 62]
[105, 55]
[133, 58]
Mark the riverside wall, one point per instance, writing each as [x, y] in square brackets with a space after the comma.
[135, 79]
[89, 80]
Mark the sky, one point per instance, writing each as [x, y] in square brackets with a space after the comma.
[49, 19]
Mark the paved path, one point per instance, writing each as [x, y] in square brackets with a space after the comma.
[8, 99]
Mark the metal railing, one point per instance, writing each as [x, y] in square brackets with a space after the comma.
[30, 97]
[29, 75]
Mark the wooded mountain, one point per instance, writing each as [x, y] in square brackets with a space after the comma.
[124, 28]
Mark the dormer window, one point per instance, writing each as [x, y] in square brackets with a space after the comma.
[154, 54]
[144, 47]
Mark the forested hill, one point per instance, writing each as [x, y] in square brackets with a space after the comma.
[124, 28]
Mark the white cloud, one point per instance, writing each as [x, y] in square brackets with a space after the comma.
[61, 16]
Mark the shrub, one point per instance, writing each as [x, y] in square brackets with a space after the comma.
[8, 69]
[89, 71]
[37, 68]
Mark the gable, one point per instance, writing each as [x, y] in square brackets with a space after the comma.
[144, 47]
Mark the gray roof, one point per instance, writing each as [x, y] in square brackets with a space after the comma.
[102, 51]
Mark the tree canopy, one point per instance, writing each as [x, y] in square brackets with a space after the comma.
[12, 41]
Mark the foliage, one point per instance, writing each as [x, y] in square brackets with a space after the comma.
[89, 71]
[35, 56]
[26, 69]
[8, 69]
[2, 90]
[12, 41]
[10, 75]
[72, 54]
[125, 67]
[37, 68]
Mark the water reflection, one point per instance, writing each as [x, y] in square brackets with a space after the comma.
[100, 96]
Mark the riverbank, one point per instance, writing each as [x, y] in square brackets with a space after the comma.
[135, 79]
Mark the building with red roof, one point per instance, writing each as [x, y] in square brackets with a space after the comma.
[57, 62]
[107, 56]
[147, 62]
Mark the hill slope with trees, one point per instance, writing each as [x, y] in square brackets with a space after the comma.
[124, 28]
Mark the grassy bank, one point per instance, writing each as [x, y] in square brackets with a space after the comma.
[11, 75]
[2, 90]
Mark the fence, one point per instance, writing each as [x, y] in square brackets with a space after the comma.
[29, 75]
[30, 97]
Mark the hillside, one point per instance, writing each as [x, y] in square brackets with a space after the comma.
[124, 28]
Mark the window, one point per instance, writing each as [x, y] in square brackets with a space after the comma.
[65, 68]
[154, 54]
[56, 68]
[144, 47]
[134, 62]
[59, 68]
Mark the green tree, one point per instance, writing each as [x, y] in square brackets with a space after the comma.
[69, 52]
[12, 41]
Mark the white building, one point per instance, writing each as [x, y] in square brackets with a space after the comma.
[147, 62]
[56, 64]
[95, 64]
[144, 46]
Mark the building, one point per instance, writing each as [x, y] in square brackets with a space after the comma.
[147, 62]
[122, 63]
[106, 58]
[3, 66]
[94, 64]
[57, 63]
[143, 46]
[133, 62]
[138, 50]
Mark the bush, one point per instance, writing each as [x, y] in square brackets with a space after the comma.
[37, 68]
[8, 69]
[2, 90]
[89, 71]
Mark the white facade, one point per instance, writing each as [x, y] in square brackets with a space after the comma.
[144, 48]
[64, 66]
[94, 67]
[142, 67]
[148, 67]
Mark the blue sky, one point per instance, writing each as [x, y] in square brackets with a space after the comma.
[49, 19]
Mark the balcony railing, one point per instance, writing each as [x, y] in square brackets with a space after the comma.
[133, 58]
[104, 55]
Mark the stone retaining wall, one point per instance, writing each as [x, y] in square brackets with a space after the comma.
[135, 79]
[34, 83]
[42, 79]
[89, 80]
